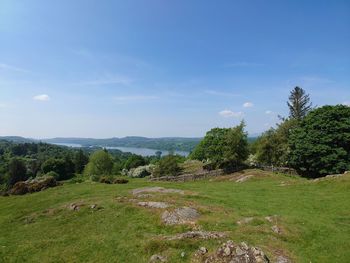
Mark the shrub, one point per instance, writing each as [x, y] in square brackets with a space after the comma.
[120, 181]
[100, 163]
[225, 148]
[321, 145]
[17, 171]
[167, 166]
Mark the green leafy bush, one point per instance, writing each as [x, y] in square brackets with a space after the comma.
[321, 145]
[167, 166]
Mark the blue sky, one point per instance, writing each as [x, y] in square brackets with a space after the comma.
[157, 68]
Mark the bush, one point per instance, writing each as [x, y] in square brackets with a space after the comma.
[53, 175]
[134, 161]
[17, 171]
[321, 145]
[120, 181]
[100, 163]
[225, 148]
[167, 166]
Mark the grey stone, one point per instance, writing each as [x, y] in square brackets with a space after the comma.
[197, 235]
[157, 258]
[154, 204]
[157, 189]
[182, 215]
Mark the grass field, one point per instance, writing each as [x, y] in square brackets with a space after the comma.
[314, 218]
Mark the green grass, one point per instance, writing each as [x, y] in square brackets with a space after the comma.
[314, 218]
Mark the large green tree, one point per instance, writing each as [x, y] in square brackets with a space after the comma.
[100, 163]
[223, 147]
[299, 103]
[167, 166]
[321, 144]
[17, 171]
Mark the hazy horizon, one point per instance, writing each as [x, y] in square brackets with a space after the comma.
[102, 69]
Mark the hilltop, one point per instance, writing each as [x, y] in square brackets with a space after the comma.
[287, 217]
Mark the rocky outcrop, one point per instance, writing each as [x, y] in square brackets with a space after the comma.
[237, 253]
[34, 185]
[182, 215]
[190, 177]
[197, 235]
[157, 189]
[157, 258]
[151, 204]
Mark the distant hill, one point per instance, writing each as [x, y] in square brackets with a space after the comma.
[165, 143]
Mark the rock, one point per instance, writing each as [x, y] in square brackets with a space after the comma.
[271, 219]
[182, 215]
[157, 258]
[154, 204]
[276, 229]
[183, 254]
[74, 207]
[198, 235]
[282, 259]
[33, 185]
[157, 189]
[93, 206]
[245, 220]
[203, 250]
[141, 171]
[230, 252]
[244, 178]
[144, 195]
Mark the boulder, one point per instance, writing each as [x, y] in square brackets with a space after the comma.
[197, 235]
[238, 253]
[182, 215]
[157, 258]
[154, 204]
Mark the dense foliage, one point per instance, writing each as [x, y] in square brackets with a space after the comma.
[100, 163]
[225, 148]
[321, 143]
[168, 166]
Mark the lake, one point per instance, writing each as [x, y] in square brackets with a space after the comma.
[134, 150]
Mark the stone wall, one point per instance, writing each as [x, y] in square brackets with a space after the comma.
[284, 170]
[189, 177]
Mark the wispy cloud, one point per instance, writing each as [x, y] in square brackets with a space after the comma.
[229, 113]
[243, 64]
[135, 98]
[221, 93]
[41, 97]
[248, 104]
[268, 112]
[12, 68]
[107, 80]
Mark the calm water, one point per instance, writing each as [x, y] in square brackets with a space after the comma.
[139, 151]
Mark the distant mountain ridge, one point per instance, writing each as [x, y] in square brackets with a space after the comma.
[165, 143]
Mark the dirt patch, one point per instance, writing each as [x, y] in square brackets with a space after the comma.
[184, 215]
[154, 204]
[157, 189]
[197, 235]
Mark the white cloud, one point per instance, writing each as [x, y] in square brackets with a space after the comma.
[248, 104]
[41, 97]
[13, 68]
[268, 112]
[229, 113]
[346, 103]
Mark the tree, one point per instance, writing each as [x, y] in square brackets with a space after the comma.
[58, 166]
[100, 163]
[321, 145]
[223, 147]
[80, 160]
[272, 146]
[134, 161]
[17, 171]
[299, 103]
[167, 166]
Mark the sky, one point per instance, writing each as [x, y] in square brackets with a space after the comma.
[160, 68]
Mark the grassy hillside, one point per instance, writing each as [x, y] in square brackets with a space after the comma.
[314, 218]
